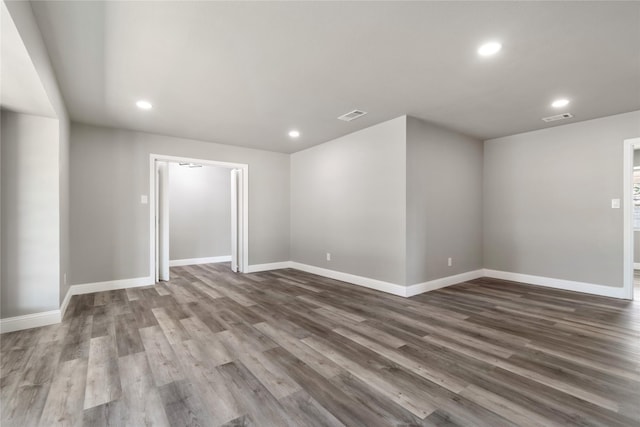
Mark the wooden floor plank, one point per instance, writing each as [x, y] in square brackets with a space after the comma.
[214, 393]
[103, 379]
[113, 413]
[341, 405]
[182, 405]
[128, 339]
[25, 404]
[270, 375]
[162, 359]
[66, 395]
[304, 410]
[252, 396]
[139, 393]
[373, 377]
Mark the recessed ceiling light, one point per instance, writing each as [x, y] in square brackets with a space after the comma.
[144, 105]
[559, 103]
[489, 49]
[294, 134]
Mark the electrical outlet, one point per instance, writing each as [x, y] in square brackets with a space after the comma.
[450, 262]
[328, 256]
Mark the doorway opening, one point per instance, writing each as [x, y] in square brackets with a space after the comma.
[631, 215]
[159, 217]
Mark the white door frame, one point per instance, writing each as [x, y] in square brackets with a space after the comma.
[629, 146]
[243, 206]
[162, 221]
[235, 195]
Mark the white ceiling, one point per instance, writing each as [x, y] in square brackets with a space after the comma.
[245, 73]
[20, 87]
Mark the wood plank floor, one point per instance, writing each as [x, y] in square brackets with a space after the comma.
[287, 348]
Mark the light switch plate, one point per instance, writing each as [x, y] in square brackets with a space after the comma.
[615, 203]
[144, 199]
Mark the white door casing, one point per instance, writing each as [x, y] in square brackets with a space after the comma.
[629, 146]
[155, 210]
[162, 227]
[234, 220]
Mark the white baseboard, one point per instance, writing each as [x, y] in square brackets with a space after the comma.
[55, 316]
[195, 261]
[255, 268]
[367, 282]
[35, 320]
[379, 285]
[65, 303]
[432, 285]
[29, 321]
[111, 285]
[567, 285]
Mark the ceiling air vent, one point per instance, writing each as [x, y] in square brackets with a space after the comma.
[557, 117]
[352, 115]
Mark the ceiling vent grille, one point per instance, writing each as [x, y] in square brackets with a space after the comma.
[557, 117]
[352, 115]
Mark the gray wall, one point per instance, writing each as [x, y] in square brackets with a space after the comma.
[444, 202]
[23, 18]
[30, 216]
[109, 225]
[348, 198]
[199, 212]
[547, 201]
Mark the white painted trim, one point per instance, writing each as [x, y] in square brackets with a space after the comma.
[29, 321]
[110, 285]
[196, 261]
[255, 268]
[567, 285]
[162, 222]
[442, 282]
[65, 303]
[636, 265]
[245, 203]
[153, 222]
[55, 316]
[233, 179]
[378, 285]
[245, 219]
[629, 145]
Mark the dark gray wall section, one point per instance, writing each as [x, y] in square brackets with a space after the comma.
[199, 212]
[109, 225]
[444, 202]
[348, 198]
[547, 201]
